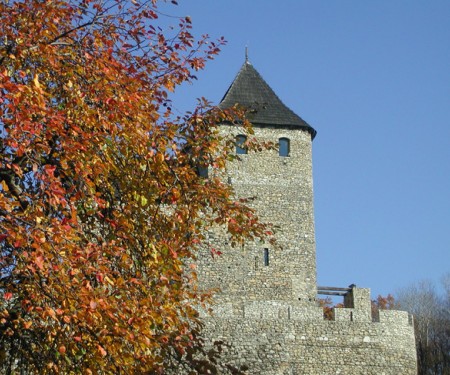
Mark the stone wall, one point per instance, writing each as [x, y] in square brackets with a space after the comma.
[276, 338]
[282, 189]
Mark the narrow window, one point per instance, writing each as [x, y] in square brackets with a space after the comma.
[266, 257]
[283, 147]
[241, 149]
[202, 171]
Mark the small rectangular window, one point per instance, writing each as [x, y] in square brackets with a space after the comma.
[266, 257]
[202, 171]
[283, 147]
[241, 148]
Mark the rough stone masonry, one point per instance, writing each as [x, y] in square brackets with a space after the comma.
[267, 308]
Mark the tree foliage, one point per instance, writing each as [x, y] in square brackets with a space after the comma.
[101, 206]
[431, 311]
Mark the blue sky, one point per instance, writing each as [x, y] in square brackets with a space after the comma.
[373, 78]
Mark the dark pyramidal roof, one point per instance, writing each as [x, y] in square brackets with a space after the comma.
[265, 108]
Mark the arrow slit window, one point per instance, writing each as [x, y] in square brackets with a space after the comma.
[266, 257]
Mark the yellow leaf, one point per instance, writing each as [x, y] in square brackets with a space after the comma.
[144, 200]
[36, 81]
[108, 280]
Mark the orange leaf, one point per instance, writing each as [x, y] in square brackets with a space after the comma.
[39, 261]
[101, 350]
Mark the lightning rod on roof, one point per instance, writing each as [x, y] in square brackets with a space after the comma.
[246, 54]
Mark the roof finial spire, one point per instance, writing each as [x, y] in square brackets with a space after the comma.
[246, 54]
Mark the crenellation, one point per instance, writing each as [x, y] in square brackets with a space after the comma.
[343, 314]
[395, 317]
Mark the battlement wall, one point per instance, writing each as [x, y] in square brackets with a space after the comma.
[357, 309]
[277, 346]
[277, 337]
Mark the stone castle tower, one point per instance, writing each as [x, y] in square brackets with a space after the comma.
[266, 308]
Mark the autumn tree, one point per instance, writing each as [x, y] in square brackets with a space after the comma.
[431, 312]
[102, 209]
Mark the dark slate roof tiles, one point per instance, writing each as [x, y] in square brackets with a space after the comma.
[265, 108]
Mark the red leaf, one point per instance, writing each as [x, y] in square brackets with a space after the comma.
[99, 277]
[7, 296]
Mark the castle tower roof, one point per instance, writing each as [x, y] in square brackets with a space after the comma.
[265, 108]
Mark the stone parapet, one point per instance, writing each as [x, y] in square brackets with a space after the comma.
[272, 346]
